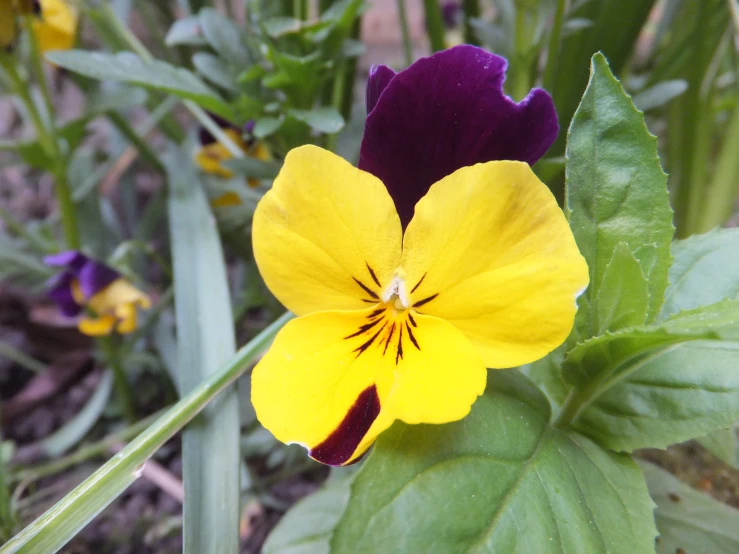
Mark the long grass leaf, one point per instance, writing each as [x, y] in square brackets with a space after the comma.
[54, 528]
[205, 338]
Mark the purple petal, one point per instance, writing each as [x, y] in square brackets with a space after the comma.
[71, 259]
[206, 137]
[379, 78]
[450, 13]
[59, 289]
[445, 112]
[94, 277]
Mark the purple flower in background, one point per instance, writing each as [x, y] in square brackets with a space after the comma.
[445, 112]
[450, 11]
[88, 284]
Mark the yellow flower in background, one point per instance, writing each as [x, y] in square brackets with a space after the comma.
[56, 26]
[401, 325]
[110, 301]
[212, 153]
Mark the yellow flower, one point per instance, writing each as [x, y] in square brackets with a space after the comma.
[56, 28]
[211, 156]
[402, 325]
[115, 308]
[88, 285]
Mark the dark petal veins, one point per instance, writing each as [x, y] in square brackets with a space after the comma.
[59, 289]
[71, 259]
[341, 444]
[94, 277]
[446, 112]
[379, 78]
[366, 289]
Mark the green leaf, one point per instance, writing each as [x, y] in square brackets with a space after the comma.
[254, 168]
[129, 68]
[623, 297]
[688, 521]
[669, 396]
[706, 270]
[547, 374]
[723, 444]
[205, 340]
[603, 358]
[225, 37]
[215, 70]
[326, 119]
[616, 193]
[266, 126]
[308, 526]
[660, 94]
[501, 480]
[185, 32]
[277, 27]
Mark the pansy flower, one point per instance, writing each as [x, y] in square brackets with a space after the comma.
[111, 303]
[56, 26]
[212, 153]
[441, 256]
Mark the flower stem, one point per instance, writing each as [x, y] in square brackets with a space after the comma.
[471, 11]
[405, 32]
[122, 388]
[434, 25]
[719, 202]
[553, 48]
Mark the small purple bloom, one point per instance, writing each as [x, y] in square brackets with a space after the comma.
[91, 275]
[445, 112]
[450, 13]
[206, 137]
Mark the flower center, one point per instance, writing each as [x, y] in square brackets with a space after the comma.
[395, 294]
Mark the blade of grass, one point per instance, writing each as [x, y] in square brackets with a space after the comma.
[53, 529]
[205, 339]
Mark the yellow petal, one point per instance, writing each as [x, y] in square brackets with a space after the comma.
[56, 29]
[118, 293]
[127, 315]
[333, 381]
[326, 236]
[210, 157]
[226, 200]
[492, 243]
[96, 327]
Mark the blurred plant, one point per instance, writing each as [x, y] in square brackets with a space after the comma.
[678, 59]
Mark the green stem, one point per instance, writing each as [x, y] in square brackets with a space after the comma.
[553, 49]
[471, 10]
[337, 101]
[109, 347]
[520, 84]
[50, 531]
[405, 32]
[725, 184]
[62, 188]
[434, 24]
[300, 9]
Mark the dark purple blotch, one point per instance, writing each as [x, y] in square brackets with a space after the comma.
[445, 112]
[341, 444]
